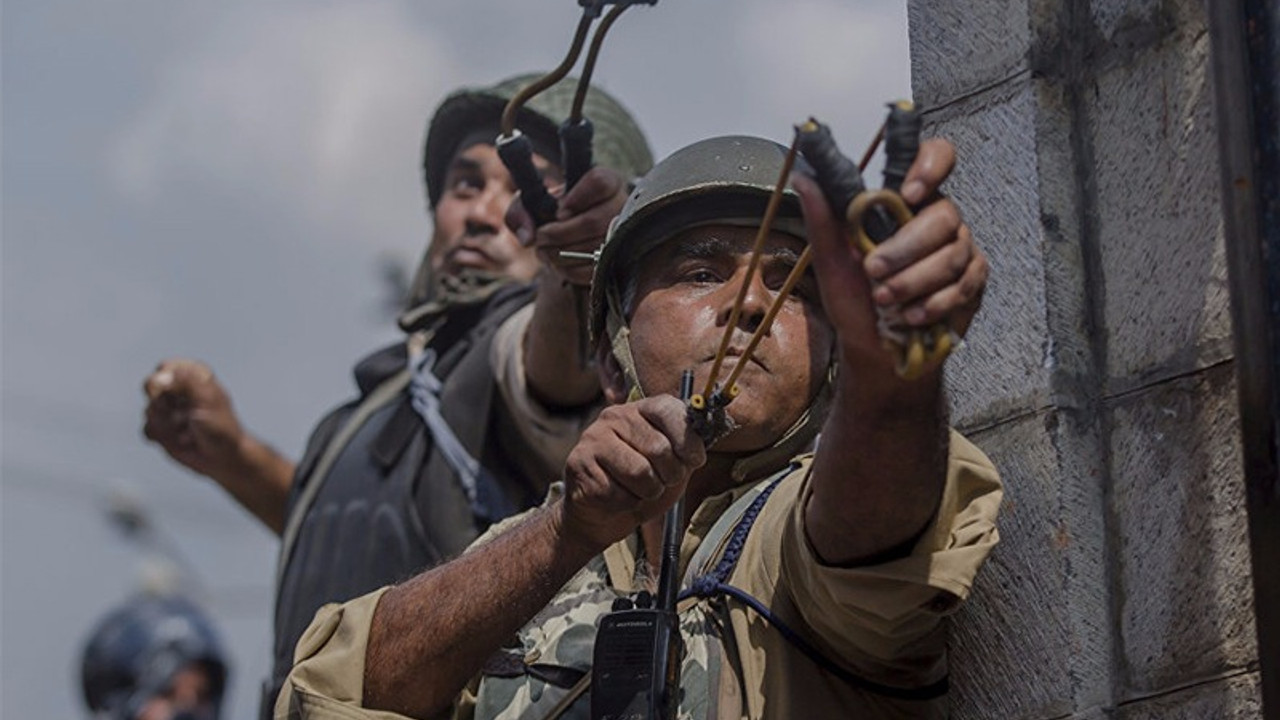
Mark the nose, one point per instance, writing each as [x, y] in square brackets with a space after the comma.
[487, 209]
[755, 301]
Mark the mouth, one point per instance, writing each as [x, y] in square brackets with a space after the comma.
[467, 256]
[732, 357]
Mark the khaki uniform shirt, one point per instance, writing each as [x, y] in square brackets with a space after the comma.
[880, 622]
[548, 435]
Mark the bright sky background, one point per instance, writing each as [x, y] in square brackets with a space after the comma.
[219, 180]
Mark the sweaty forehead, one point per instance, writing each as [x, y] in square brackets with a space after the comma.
[722, 240]
[717, 245]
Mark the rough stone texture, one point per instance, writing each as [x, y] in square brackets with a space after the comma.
[1110, 16]
[957, 48]
[1095, 713]
[1184, 588]
[1070, 355]
[1235, 698]
[1098, 375]
[1125, 24]
[1036, 626]
[1002, 368]
[1159, 224]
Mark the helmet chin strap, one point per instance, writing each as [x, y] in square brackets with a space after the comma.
[797, 439]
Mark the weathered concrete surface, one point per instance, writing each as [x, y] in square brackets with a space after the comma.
[1159, 225]
[1234, 698]
[957, 48]
[1126, 24]
[1035, 634]
[1098, 374]
[1003, 367]
[1184, 587]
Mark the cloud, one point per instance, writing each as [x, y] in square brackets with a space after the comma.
[835, 59]
[316, 109]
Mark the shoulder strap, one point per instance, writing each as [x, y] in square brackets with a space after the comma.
[570, 698]
[712, 545]
[381, 395]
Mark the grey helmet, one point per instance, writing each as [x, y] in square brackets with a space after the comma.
[723, 180]
[134, 653]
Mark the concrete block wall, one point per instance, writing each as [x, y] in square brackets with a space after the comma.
[1099, 376]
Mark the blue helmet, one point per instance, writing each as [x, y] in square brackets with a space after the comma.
[135, 652]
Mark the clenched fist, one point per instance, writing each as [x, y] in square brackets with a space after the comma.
[630, 465]
[189, 415]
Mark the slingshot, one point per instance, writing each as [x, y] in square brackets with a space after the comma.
[576, 133]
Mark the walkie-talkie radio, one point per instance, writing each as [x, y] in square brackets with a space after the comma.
[636, 663]
[636, 666]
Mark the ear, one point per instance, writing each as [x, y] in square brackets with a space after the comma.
[613, 381]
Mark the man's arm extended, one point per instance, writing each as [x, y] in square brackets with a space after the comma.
[189, 414]
[431, 635]
[557, 376]
[881, 464]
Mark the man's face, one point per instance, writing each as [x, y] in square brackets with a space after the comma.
[684, 294]
[189, 695]
[469, 228]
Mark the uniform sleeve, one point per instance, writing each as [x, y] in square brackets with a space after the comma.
[554, 493]
[549, 435]
[882, 618]
[327, 680]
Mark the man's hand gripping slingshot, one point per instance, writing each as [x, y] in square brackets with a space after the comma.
[576, 135]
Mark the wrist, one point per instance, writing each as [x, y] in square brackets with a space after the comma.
[875, 389]
[561, 279]
[248, 458]
[572, 536]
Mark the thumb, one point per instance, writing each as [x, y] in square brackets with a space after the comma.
[837, 262]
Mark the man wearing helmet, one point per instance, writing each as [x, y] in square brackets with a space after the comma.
[461, 425]
[154, 658]
[813, 585]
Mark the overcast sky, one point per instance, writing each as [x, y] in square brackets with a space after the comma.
[219, 180]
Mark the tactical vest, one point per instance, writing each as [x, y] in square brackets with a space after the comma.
[384, 504]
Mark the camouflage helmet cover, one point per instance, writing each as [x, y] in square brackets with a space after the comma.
[619, 144]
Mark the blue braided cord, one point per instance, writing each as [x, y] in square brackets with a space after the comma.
[738, 539]
[484, 495]
[714, 583]
[707, 586]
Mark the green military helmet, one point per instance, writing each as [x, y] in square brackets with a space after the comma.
[723, 180]
[619, 143]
